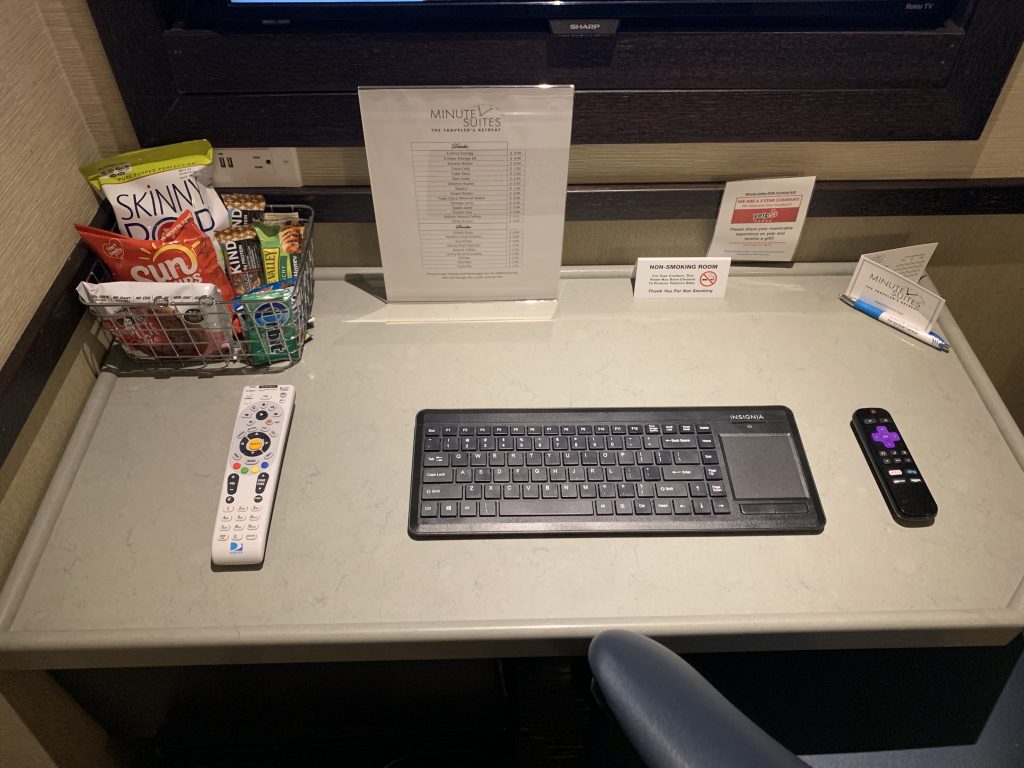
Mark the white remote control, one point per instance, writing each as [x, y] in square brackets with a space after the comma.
[250, 481]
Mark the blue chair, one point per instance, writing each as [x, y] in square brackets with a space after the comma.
[671, 716]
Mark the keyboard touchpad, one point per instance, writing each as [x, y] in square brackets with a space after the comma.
[763, 466]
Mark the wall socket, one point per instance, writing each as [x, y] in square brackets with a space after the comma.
[256, 167]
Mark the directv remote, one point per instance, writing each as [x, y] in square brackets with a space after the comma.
[250, 481]
[895, 470]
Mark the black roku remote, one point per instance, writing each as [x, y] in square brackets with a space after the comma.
[895, 469]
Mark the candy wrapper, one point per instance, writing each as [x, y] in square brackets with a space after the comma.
[183, 255]
[153, 320]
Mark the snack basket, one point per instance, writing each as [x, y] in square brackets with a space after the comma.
[176, 333]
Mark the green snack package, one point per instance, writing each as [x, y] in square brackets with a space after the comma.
[270, 322]
[276, 263]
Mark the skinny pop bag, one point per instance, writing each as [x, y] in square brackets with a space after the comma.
[150, 188]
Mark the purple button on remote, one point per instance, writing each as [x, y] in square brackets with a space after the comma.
[885, 437]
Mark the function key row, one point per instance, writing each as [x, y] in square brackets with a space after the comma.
[469, 430]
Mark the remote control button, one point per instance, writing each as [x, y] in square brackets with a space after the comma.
[255, 443]
[261, 415]
[225, 518]
[254, 518]
[895, 472]
[265, 464]
[236, 537]
[252, 527]
[257, 498]
[237, 527]
[229, 499]
[885, 437]
[222, 537]
[256, 508]
[240, 518]
[251, 537]
[225, 527]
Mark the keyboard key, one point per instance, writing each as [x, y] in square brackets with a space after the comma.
[652, 442]
[709, 457]
[549, 491]
[460, 459]
[633, 443]
[538, 475]
[450, 509]
[442, 492]
[686, 457]
[531, 491]
[482, 475]
[432, 444]
[558, 475]
[614, 474]
[431, 431]
[716, 489]
[662, 507]
[624, 507]
[467, 509]
[618, 429]
[652, 473]
[429, 509]
[584, 429]
[606, 490]
[681, 443]
[488, 508]
[670, 490]
[542, 508]
[438, 475]
[668, 429]
[492, 491]
[721, 506]
[588, 490]
[510, 491]
[502, 475]
[435, 460]
[601, 429]
[682, 473]
[703, 429]
[643, 507]
[577, 474]
[712, 473]
[449, 431]
[702, 507]
[698, 489]
[521, 475]
[568, 491]
[633, 474]
[462, 475]
[604, 507]
[474, 491]
[706, 442]
[625, 490]
[645, 490]
[636, 429]
[682, 507]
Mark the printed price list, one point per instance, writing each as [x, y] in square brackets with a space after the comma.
[469, 201]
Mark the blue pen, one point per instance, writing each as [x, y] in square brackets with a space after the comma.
[932, 339]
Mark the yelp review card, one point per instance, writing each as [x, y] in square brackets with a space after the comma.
[681, 278]
[761, 220]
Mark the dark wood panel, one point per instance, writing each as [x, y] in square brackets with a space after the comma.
[705, 86]
[635, 202]
[333, 62]
[641, 117]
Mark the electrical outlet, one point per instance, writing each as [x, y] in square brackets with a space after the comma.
[256, 167]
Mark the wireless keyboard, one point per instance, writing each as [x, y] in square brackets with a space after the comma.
[624, 472]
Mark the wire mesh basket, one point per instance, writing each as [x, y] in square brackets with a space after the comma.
[261, 328]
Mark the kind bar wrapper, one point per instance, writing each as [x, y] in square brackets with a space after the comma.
[270, 323]
[150, 188]
[276, 264]
[245, 209]
[183, 255]
[161, 319]
[243, 256]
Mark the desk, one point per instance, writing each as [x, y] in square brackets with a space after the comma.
[116, 570]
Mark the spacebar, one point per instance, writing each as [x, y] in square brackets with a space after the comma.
[545, 508]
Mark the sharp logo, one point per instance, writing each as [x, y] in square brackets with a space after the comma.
[746, 416]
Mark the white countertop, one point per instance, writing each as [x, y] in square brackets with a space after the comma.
[117, 569]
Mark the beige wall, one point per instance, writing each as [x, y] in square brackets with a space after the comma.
[45, 137]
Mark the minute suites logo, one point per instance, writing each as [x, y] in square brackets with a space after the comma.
[480, 118]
